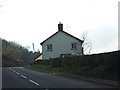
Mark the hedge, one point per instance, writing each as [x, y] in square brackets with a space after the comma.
[95, 64]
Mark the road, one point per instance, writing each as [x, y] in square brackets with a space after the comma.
[19, 77]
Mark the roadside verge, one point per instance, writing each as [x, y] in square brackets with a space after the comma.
[80, 77]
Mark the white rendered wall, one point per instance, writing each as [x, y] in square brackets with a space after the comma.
[61, 43]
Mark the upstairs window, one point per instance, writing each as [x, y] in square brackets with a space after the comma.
[74, 46]
[49, 47]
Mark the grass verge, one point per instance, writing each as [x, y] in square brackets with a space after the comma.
[85, 71]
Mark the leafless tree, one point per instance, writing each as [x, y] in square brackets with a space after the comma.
[87, 45]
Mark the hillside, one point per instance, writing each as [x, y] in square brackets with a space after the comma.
[13, 54]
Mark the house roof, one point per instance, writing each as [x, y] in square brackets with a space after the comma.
[63, 32]
[39, 58]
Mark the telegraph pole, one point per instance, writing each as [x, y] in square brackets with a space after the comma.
[33, 47]
[33, 51]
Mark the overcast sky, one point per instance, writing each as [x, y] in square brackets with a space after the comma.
[32, 21]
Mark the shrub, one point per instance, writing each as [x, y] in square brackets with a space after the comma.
[43, 62]
[56, 62]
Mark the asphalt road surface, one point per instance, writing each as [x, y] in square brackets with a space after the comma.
[19, 77]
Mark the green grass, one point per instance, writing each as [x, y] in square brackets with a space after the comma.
[86, 71]
[45, 68]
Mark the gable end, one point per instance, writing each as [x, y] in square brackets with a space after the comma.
[63, 32]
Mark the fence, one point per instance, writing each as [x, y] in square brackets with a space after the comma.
[96, 64]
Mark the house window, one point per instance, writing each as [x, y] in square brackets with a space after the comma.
[49, 47]
[74, 46]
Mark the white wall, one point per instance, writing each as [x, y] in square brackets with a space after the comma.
[61, 43]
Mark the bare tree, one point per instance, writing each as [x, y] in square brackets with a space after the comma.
[87, 45]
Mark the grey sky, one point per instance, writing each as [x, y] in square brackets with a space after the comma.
[28, 21]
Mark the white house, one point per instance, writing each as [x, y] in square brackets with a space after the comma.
[61, 43]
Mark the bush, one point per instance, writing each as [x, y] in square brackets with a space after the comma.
[56, 62]
[43, 62]
[97, 71]
[67, 61]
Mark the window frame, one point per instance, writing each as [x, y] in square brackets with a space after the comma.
[49, 47]
[74, 46]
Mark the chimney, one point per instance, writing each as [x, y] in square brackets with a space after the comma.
[60, 26]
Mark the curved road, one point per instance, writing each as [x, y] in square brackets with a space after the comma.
[19, 77]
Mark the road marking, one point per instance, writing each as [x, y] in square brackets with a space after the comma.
[14, 71]
[34, 82]
[23, 76]
[17, 73]
[10, 68]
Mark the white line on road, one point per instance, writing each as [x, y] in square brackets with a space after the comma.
[17, 73]
[14, 71]
[34, 82]
[10, 68]
[23, 76]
